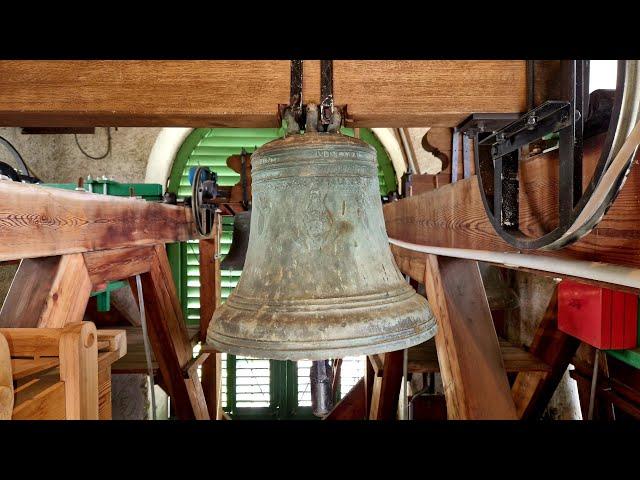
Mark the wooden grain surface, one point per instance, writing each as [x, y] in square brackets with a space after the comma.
[121, 263]
[6, 380]
[47, 292]
[226, 93]
[471, 365]
[25, 367]
[79, 371]
[212, 93]
[48, 404]
[40, 221]
[169, 338]
[400, 93]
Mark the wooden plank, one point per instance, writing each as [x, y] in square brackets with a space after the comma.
[424, 359]
[352, 406]
[533, 390]
[6, 380]
[25, 367]
[220, 93]
[369, 381]
[453, 216]
[38, 221]
[49, 292]
[116, 340]
[79, 371]
[33, 342]
[225, 93]
[46, 405]
[117, 264]
[400, 93]
[473, 374]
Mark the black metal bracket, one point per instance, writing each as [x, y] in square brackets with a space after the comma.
[497, 153]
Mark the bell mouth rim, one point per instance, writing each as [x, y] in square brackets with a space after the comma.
[239, 302]
[336, 348]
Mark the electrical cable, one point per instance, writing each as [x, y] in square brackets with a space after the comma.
[147, 349]
[75, 135]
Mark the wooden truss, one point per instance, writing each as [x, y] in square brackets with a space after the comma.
[72, 243]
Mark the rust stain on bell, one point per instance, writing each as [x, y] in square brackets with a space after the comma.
[319, 279]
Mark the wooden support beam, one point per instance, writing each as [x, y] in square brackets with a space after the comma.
[169, 338]
[47, 292]
[386, 388]
[6, 380]
[118, 264]
[352, 406]
[79, 371]
[453, 216]
[40, 221]
[210, 298]
[224, 93]
[475, 382]
[533, 390]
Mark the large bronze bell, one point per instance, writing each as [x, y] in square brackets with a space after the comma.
[234, 260]
[319, 280]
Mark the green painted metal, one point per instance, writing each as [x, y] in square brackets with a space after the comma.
[631, 356]
[103, 297]
[148, 191]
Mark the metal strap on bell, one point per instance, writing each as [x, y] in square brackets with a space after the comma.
[319, 280]
[234, 260]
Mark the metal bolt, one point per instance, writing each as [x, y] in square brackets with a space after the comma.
[500, 137]
[532, 120]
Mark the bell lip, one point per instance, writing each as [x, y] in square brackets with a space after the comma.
[330, 348]
[402, 292]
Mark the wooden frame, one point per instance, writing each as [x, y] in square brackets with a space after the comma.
[63, 373]
[225, 93]
[72, 243]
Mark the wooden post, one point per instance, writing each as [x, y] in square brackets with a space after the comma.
[47, 292]
[6, 380]
[473, 374]
[79, 371]
[533, 390]
[169, 337]
[210, 300]
[386, 388]
[352, 406]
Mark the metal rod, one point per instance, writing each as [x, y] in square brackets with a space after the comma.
[147, 349]
[601, 272]
[594, 385]
[326, 92]
[405, 398]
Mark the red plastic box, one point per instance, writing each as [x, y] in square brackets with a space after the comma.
[604, 318]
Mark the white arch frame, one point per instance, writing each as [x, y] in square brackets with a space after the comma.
[170, 139]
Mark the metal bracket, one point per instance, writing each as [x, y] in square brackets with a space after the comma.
[497, 156]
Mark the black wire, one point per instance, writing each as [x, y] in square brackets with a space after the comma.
[75, 135]
[16, 155]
